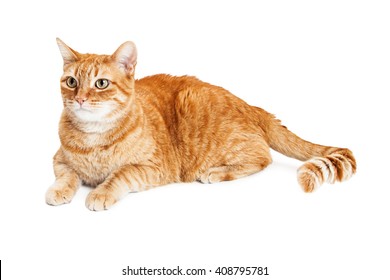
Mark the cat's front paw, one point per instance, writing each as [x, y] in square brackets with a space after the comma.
[99, 199]
[57, 195]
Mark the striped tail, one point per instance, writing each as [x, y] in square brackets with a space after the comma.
[322, 163]
[338, 165]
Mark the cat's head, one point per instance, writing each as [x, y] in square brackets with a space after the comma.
[97, 88]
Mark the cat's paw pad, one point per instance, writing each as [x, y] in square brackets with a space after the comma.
[98, 200]
[56, 195]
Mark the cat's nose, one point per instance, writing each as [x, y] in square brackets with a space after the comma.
[80, 99]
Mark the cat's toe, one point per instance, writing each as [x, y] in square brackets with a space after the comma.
[97, 201]
[205, 178]
[58, 196]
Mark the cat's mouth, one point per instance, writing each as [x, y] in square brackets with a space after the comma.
[90, 113]
[83, 109]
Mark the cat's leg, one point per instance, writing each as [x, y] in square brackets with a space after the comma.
[65, 187]
[244, 159]
[231, 172]
[129, 178]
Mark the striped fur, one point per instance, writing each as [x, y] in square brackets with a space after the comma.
[339, 166]
[323, 164]
[134, 135]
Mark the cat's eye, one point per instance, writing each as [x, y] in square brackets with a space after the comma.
[71, 82]
[102, 83]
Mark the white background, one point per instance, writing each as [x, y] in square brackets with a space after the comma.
[323, 67]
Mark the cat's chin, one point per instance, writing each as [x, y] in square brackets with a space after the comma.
[92, 121]
[90, 115]
[85, 115]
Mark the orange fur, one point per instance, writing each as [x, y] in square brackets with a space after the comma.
[138, 134]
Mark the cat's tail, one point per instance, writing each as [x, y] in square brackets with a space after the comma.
[322, 163]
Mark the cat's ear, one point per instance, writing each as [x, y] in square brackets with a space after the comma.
[126, 57]
[67, 53]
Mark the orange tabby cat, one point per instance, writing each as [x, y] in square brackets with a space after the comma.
[123, 135]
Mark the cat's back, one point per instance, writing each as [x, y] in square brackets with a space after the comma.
[165, 94]
[164, 85]
[164, 91]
